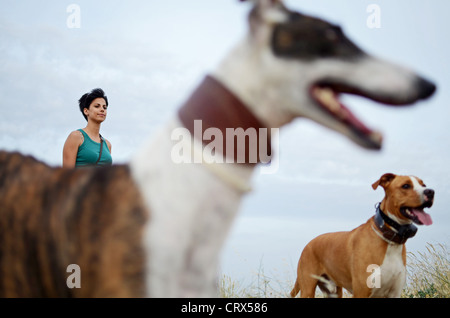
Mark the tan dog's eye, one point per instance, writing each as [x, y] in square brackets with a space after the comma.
[406, 186]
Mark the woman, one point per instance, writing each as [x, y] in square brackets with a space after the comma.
[83, 146]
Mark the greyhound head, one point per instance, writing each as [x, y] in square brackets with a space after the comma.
[292, 65]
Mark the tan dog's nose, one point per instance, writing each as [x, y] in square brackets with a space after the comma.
[429, 195]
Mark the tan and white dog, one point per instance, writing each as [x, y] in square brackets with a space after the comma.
[350, 260]
[155, 227]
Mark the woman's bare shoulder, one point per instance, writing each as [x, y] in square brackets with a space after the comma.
[75, 137]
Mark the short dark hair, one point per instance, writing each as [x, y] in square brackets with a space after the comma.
[86, 100]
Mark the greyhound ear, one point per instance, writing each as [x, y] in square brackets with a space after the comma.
[263, 17]
[268, 11]
[384, 180]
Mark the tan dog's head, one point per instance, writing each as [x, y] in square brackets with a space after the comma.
[405, 199]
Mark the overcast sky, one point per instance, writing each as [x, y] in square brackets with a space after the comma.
[148, 56]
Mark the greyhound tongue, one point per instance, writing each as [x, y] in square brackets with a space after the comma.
[423, 217]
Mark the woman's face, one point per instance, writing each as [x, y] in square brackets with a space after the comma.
[97, 110]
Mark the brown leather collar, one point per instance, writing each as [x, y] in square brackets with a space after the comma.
[217, 107]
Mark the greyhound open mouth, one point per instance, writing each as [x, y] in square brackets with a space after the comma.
[418, 215]
[327, 97]
[326, 94]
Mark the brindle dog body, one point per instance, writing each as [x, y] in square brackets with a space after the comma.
[53, 217]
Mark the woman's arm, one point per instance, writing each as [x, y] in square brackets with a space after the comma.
[109, 145]
[70, 149]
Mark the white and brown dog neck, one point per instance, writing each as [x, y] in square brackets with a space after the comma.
[218, 109]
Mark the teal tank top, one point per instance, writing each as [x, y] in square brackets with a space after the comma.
[89, 151]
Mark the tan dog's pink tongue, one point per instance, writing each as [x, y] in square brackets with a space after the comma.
[423, 217]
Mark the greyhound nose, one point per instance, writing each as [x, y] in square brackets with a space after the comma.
[429, 193]
[425, 88]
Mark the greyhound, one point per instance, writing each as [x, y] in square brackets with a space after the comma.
[289, 65]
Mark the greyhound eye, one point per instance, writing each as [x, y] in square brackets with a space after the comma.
[332, 35]
[406, 186]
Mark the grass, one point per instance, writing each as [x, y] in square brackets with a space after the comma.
[261, 286]
[428, 276]
[428, 273]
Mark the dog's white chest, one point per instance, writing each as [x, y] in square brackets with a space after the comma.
[393, 273]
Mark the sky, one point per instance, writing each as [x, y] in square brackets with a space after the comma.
[149, 55]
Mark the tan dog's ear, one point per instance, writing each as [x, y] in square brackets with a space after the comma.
[384, 180]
